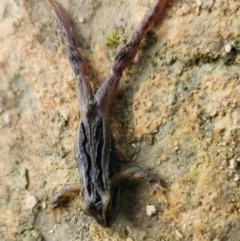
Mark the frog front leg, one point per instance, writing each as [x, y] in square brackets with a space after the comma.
[136, 172]
[64, 194]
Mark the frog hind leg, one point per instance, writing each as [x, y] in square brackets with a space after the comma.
[136, 172]
[106, 94]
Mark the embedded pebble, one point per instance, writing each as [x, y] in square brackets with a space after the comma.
[228, 48]
[176, 148]
[199, 2]
[232, 164]
[133, 145]
[31, 202]
[236, 177]
[149, 139]
[81, 20]
[129, 239]
[150, 210]
[44, 205]
[207, 4]
[19, 178]
[6, 118]
[185, 9]
[35, 234]
[179, 234]
[152, 76]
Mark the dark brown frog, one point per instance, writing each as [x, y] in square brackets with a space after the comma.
[100, 174]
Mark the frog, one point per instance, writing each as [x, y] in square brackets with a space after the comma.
[95, 152]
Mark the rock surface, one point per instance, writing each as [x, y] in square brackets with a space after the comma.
[182, 93]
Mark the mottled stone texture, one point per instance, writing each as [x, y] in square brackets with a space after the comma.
[177, 114]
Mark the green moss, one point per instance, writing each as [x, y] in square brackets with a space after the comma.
[236, 42]
[180, 73]
[159, 55]
[113, 40]
[150, 40]
[154, 63]
[173, 60]
[230, 58]
[198, 58]
[162, 53]
[7, 11]
[128, 72]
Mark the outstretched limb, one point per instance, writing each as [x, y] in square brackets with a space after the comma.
[106, 94]
[64, 194]
[74, 56]
[137, 172]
